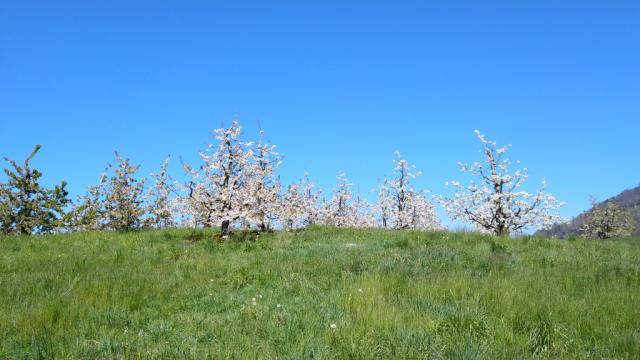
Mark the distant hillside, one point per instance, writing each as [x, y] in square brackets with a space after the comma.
[628, 199]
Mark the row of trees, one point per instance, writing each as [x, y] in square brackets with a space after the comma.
[236, 185]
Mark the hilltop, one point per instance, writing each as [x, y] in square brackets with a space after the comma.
[321, 293]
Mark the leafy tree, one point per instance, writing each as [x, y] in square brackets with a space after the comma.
[88, 211]
[123, 201]
[608, 221]
[25, 206]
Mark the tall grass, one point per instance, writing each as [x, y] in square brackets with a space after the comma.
[178, 294]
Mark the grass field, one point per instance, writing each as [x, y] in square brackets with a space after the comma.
[321, 293]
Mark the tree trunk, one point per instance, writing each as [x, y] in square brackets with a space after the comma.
[502, 231]
[225, 228]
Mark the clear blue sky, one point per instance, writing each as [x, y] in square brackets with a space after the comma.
[336, 85]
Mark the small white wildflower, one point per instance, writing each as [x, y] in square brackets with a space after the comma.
[259, 296]
[278, 306]
[333, 326]
[359, 290]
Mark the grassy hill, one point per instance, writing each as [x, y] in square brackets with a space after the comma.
[173, 294]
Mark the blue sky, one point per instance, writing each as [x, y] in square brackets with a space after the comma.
[336, 85]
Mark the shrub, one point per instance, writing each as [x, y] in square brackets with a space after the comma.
[27, 207]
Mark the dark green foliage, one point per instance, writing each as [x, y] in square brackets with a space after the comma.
[25, 206]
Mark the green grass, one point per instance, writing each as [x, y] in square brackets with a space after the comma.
[170, 294]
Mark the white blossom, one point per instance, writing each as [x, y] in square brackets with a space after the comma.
[400, 205]
[162, 207]
[261, 186]
[497, 204]
[217, 190]
[343, 210]
[299, 205]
